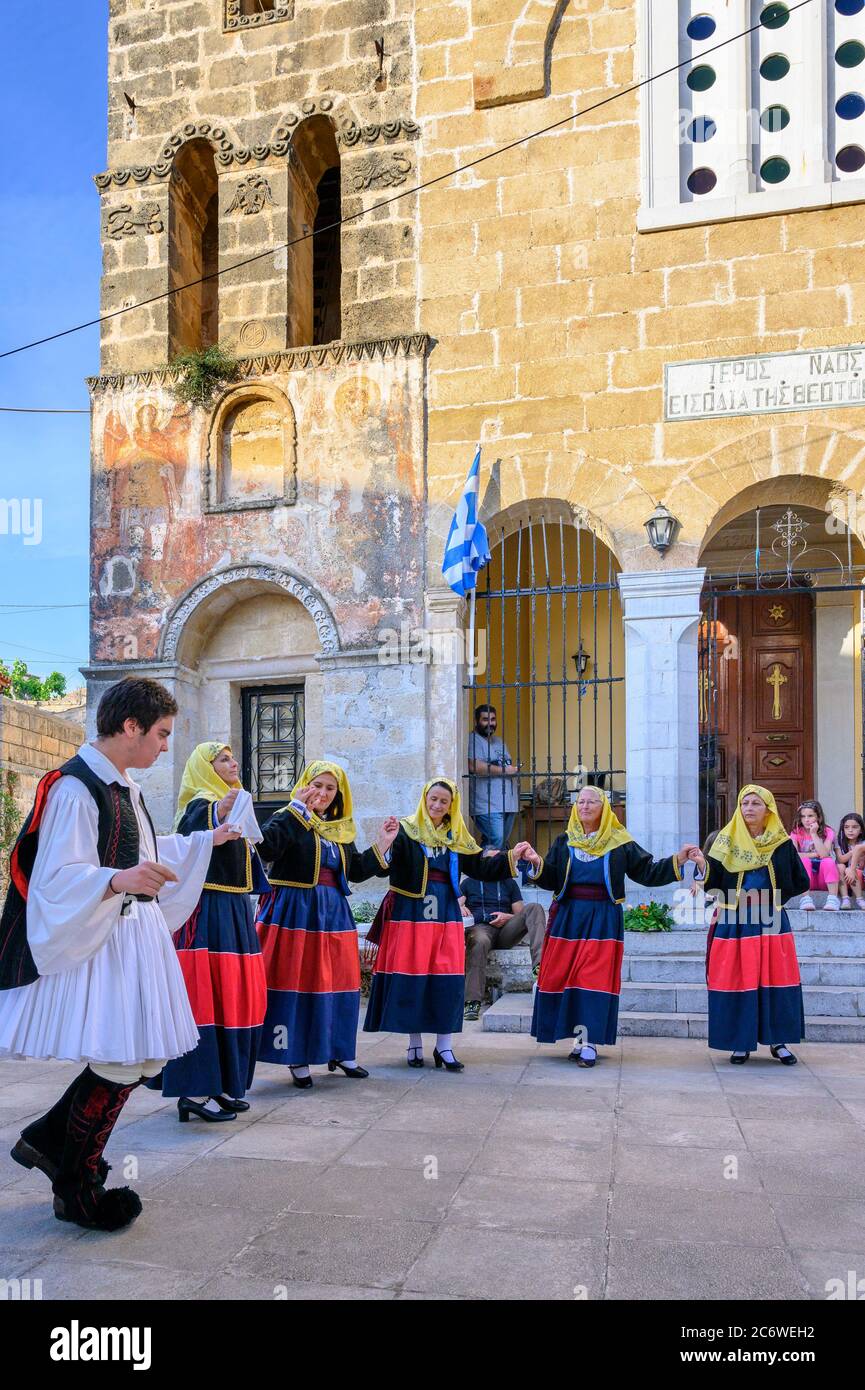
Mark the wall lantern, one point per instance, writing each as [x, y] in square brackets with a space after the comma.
[661, 528]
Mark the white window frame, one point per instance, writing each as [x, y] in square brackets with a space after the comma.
[738, 193]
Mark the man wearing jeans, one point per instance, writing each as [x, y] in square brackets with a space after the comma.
[493, 781]
[496, 919]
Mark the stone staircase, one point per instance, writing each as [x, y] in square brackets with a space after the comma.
[664, 981]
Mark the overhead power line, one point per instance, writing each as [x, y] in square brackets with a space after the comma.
[396, 197]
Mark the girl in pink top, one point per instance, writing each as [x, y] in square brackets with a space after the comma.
[815, 841]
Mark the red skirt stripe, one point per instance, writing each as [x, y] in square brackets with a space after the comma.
[586, 964]
[750, 961]
[310, 962]
[225, 989]
[422, 948]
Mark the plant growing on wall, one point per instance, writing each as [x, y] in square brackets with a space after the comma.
[201, 374]
[10, 823]
[21, 684]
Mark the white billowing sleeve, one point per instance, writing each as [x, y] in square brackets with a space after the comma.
[189, 857]
[67, 920]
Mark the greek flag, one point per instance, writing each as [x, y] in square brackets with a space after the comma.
[467, 549]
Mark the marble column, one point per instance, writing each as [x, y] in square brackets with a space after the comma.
[661, 618]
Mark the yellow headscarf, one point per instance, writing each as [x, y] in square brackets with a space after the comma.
[608, 835]
[452, 833]
[736, 848]
[341, 831]
[199, 778]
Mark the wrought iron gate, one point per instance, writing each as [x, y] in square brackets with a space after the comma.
[551, 657]
[781, 569]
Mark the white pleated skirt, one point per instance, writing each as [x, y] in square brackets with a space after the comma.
[126, 1004]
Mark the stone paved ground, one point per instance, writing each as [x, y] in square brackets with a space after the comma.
[550, 1178]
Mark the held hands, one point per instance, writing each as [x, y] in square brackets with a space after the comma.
[226, 832]
[224, 806]
[695, 854]
[387, 834]
[524, 851]
[147, 878]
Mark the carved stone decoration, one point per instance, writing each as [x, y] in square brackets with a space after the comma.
[379, 171]
[294, 359]
[122, 223]
[251, 195]
[228, 152]
[234, 17]
[403, 128]
[293, 584]
[252, 333]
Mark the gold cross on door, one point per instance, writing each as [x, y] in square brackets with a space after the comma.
[776, 679]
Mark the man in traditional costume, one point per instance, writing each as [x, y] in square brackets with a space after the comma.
[88, 971]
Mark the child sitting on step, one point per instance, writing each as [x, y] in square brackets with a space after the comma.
[815, 841]
[850, 853]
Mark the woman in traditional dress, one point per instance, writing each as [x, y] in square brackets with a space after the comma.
[307, 933]
[218, 951]
[752, 973]
[581, 965]
[419, 974]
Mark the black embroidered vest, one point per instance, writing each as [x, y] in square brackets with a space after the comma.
[117, 847]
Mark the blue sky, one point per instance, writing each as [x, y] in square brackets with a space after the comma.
[53, 98]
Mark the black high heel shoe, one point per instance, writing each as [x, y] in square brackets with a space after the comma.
[448, 1066]
[187, 1107]
[740, 1059]
[302, 1083]
[237, 1107]
[414, 1057]
[789, 1061]
[356, 1073]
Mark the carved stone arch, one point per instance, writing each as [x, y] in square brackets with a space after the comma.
[549, 509]
[350, 130]
[216, 593]
[512, 56]
[228, 404]
[226, 147]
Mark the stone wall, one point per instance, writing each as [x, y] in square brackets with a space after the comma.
[554, 317]
[31, 744]
[245, 91]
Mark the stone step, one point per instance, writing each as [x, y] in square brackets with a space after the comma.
[513, 1014]
[691, 969]
[840, 1001]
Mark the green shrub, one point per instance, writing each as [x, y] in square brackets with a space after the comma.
[649, 917]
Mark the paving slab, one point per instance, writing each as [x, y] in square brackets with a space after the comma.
[639, 1269]
[661, 1173]
[508, 1265]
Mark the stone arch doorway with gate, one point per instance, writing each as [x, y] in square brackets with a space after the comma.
[780, 662]
[550, 655]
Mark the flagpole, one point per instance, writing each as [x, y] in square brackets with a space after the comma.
[471, 642]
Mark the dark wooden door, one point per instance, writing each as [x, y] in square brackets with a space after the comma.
[763, 688]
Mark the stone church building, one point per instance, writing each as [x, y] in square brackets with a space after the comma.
[652, 314]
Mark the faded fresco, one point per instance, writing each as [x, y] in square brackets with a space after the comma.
[352, 526]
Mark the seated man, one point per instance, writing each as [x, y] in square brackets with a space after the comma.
[496, 919]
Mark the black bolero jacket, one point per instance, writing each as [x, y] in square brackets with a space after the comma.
[409, 866]
[292, 846]
[234, 867]
[787, 875]
[629, 860]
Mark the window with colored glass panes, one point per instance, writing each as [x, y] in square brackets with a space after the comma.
[768, 98]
